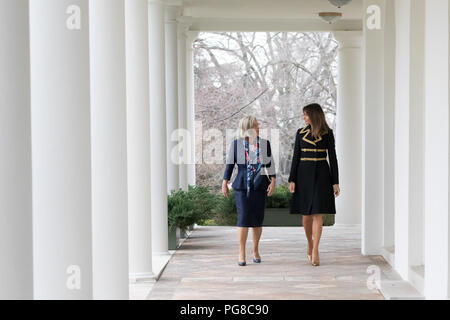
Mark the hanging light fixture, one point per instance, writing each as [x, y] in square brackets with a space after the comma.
[339, 3]
[330, 17]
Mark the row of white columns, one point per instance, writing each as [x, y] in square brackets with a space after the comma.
[83, 189]
[404, 178]
[407, 60]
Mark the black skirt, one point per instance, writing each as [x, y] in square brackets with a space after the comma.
[250, 210]
[314, 192]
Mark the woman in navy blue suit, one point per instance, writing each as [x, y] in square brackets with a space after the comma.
[255, 181]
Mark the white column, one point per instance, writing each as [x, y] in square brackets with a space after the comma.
[183, 25]
[437, 149]
[190, 88]
[373, 130]
[417, 133]
[409, 132]
[402, 128]
[171, 30]
[61, 149]
[16, 249]
[109, 150]
[402, 125]
[389, 129]
[158, 133]
[138, 128]
[349, 128]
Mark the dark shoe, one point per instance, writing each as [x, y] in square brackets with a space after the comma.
[242, 263]
[256, 260]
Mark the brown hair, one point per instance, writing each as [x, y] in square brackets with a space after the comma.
[316, 116]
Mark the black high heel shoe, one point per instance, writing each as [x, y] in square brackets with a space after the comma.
[242, 263]
[256, 260]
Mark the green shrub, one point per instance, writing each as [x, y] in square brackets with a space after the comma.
[181, 211]
[328, 219]
[188, 207]
[225, 210]
[214, 209]
[203, 201]
[280, 199]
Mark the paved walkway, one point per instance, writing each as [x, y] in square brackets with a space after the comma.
[205, 267]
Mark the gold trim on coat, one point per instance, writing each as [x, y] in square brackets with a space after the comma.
[314, 150]
[308, 131]
[313, 159]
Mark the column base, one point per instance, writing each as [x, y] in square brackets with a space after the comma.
[142, 277]
[161, 253]
[160, 261]
[347, 225]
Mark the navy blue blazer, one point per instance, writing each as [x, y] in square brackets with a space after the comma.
[236, 155]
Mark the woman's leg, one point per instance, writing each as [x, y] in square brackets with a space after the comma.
[317, 233]
[307, 222]
[242, 235]
[257, 231]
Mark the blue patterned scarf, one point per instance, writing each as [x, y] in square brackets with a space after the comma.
[253, 163]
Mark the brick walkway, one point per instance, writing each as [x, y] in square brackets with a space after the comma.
[205, 267]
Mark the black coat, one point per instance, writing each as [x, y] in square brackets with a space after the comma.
[313, 176]
[236, 155]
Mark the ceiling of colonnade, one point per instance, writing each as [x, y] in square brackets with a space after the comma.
[246, 15]
[276, 9]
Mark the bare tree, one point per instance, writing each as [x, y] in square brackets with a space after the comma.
[271, 75]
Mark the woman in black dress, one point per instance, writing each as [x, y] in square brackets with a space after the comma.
[313, 182]
[254, 181]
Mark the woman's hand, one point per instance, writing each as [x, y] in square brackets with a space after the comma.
[225, 189]
[291, 187]
[337, 190]
[271, 188]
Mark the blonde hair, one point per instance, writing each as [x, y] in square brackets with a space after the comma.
[245, 128]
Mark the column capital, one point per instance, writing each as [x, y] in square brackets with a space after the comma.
[192, 35]
[348, 39]
[184, 22]
[171, 13]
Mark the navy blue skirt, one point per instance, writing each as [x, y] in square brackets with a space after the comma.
[250, 210]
